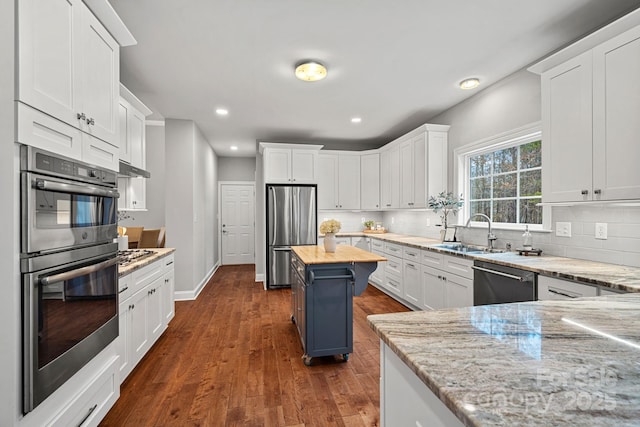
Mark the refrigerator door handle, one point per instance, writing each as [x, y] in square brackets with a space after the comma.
[282, 249]
[275, 223]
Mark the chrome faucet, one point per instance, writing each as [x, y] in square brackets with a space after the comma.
[490, 237]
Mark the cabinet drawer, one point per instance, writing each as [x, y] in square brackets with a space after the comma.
[93, 403]
[458, 265]
[432, 258]
[377, 244]
[146, 275]
[125, 287]
[550, 288]
[412, 254]
[393, 249]
[394, 265]
[168, 263]
[393, 283]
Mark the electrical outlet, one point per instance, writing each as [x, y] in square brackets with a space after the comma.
[601, 230]
[362, 220]
[393, 220]
[428, 222]
[563, 229]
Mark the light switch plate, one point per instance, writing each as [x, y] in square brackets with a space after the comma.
[563, 229]
[601, 230]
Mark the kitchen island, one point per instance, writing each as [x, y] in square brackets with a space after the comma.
[322, 290]
[535, 363]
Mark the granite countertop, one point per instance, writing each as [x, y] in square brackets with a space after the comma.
[623, 278]
[159, 253]
[312, 254]
[527, 364]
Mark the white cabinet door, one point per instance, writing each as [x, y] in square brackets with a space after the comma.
[567, 129]
[304, 166]
[124, 340]
[550, 288]
[156, 305]
[137, 193]
[348, 183]
[433, 289]
[390, 178]
[328, 181]
[100, 153]
[277, 165]
[100, 79]
[136, 137]
[412, 283]
[413, 172]
[125, 143]
[168, 305]
[616, 113]
[459, 291]
[377, 277]
[48, 63]
[140, 331]
[370, 181]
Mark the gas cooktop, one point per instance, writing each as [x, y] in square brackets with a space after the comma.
[132, 255]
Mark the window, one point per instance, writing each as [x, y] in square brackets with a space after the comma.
[503, 179]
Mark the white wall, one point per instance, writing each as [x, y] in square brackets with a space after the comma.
[10, 366]
[154, 216]
[190, 205]
[236, 168]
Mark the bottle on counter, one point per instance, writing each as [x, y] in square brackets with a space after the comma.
[527, 240]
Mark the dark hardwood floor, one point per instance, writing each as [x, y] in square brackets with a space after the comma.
[233, 358]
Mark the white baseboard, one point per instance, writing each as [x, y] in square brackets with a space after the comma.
[191, 295]
[260, 277]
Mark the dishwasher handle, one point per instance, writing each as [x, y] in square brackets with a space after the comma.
[499, 273]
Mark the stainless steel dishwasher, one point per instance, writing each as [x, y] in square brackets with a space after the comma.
[498, 284]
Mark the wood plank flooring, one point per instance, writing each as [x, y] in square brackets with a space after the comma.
[233, 358]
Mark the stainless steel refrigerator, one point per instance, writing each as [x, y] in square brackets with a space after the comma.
[291, 221]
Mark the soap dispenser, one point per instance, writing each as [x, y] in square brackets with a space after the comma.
[527, 241]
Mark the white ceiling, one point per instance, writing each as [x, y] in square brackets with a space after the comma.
[395, 64]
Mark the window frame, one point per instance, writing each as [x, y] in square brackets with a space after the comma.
[462, 155]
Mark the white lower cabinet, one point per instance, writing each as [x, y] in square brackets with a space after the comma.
[550, 288]
[405, 400]
[447, 281]
[146, 307]
[377, 277]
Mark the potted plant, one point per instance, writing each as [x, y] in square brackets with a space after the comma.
[369, 224]
[445, 203]
[329, 228]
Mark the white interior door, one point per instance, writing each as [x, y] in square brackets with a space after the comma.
[237, 224]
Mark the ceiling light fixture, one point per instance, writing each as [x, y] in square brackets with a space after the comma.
[310, 71]
[222, 111]
[234, 148]
[356, 120]
[469, 83]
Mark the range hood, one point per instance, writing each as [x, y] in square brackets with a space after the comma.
[126, 170]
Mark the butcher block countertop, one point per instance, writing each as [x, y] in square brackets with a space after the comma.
[313, 254]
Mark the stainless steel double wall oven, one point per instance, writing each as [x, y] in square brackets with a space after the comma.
[69, 268]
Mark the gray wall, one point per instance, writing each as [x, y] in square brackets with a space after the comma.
[10, 367]
[236, 168]
[154, 216]
[190, 205]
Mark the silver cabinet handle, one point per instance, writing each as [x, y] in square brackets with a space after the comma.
[63, 187]
[499, 273]
[584, 192]
[282, 249]
[123, 289]
[81, 116]
[598, 191]
[553, 291]
[77, 272]
[91, 121]
[86, 417]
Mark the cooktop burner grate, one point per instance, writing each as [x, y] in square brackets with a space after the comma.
[131, 255]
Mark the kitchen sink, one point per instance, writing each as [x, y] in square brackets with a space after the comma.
[466, 249]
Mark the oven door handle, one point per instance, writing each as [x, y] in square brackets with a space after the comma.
[72, 274]
[499, 273]
[62, 187]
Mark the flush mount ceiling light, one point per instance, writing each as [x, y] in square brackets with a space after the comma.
[222, 111]
[469, 84]
[233, 148]
[356, 120]
[310, 71]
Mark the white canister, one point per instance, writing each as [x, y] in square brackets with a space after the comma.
[123, 243]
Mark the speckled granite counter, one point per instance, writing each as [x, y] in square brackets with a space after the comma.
[545, 363]
[159, 253]
[598, 273]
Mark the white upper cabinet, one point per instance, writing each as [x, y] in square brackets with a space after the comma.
[290, 163]
[390, 177]
[590, 110]
[370, 181]
[339, 182]
[132, 116]
[616, 114]
[413, 164]
[68, 66]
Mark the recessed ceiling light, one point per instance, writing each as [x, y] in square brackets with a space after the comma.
[469, 83]
[310, 71]
[222, 111]
[356, 120]
[234, 148]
